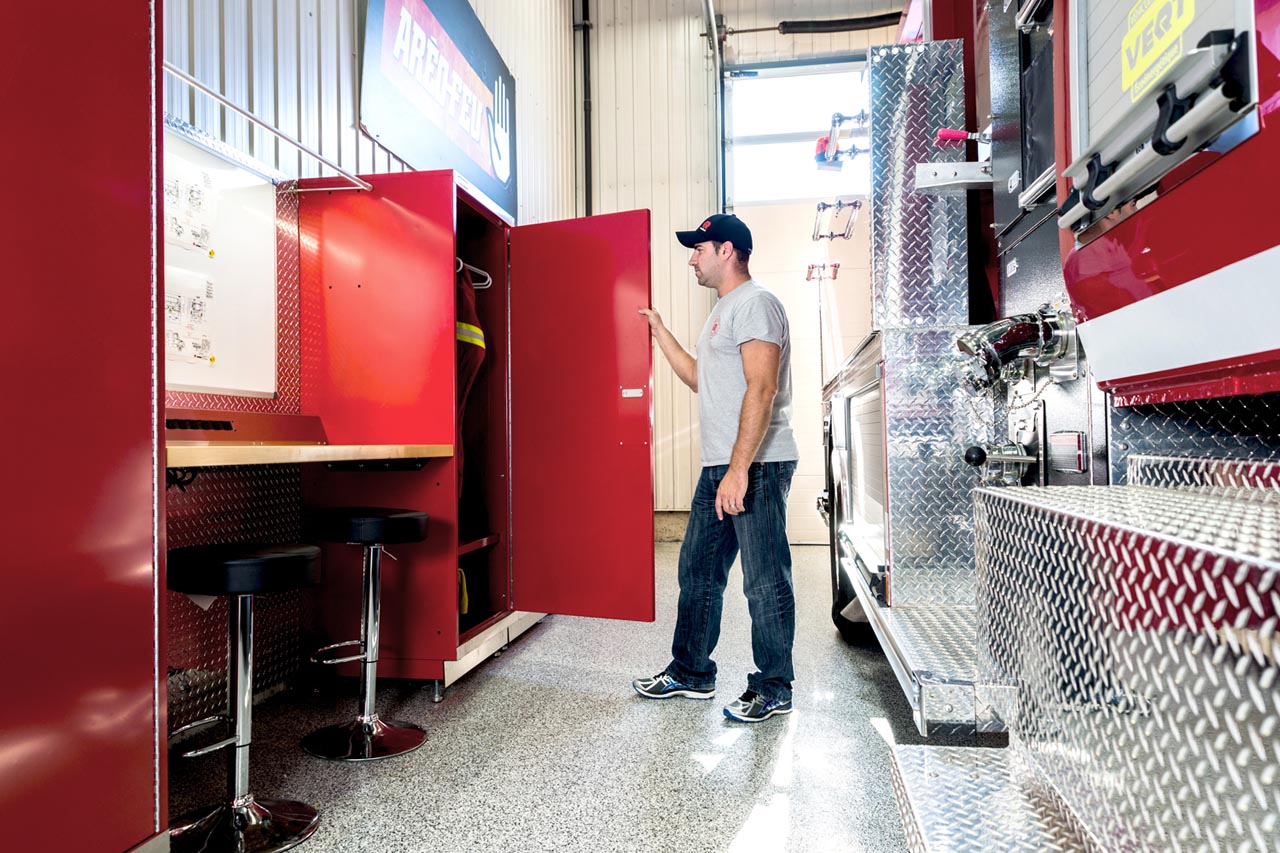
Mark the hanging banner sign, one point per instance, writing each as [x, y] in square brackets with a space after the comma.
[436, 93]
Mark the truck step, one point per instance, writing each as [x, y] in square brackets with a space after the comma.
[960, 799]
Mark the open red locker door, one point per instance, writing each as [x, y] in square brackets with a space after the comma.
[581, 418]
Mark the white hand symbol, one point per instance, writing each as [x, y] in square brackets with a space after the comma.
[500, 132]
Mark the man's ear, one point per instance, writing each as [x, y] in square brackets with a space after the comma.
[726, 249]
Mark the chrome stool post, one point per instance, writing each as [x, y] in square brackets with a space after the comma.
[368, 737]
[242, 823]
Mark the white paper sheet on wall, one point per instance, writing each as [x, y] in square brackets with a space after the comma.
[190, 206]
[189, 307]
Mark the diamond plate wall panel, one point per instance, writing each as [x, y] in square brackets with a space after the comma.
[1225, 428]
[260, 503]
[928, 423]
[920, 269]
[1127, 637]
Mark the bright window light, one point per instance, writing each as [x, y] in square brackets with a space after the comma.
[801, 101]
[788, 172]
[775, 122]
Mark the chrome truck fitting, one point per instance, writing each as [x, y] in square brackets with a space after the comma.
[1043, 337]
[1000, 464]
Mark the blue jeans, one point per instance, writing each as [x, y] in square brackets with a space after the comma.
[709, 549]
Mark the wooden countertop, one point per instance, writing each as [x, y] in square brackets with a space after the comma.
[203, 454]
[204, 438]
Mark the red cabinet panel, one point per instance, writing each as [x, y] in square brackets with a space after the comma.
[78, 759]
[377, 308]
[378, 368]
[581, 418]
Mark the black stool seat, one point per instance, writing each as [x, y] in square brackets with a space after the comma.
[242, 569]
[369, 525]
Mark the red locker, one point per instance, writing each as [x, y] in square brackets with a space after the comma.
[81, 767]
[559, 516]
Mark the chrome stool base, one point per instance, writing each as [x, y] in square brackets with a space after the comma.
[364, 740]
[260, 826]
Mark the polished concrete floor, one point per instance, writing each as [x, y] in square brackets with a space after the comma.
[546, 748]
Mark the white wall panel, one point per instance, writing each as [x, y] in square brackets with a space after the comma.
[536, 39]
[654, 145]
[295, 63]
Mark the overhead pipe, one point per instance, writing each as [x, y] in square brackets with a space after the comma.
[712, 34]
[586, 104]
[837, 25]
[713, 39]
[840, 25]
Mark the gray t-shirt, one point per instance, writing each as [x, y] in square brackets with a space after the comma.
[748, 313]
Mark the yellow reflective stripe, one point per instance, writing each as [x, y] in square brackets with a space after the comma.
[470, 334]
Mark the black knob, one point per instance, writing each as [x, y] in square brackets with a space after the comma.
[975, 456]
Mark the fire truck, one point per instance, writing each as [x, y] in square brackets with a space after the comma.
[1053, 480]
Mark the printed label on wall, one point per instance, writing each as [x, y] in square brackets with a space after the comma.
[436, 93]
[1153, 42]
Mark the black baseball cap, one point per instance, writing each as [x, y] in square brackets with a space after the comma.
[719, 228]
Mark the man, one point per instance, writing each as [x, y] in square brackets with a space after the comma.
[742, 376]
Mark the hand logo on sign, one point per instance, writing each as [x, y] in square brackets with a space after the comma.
[500, 132]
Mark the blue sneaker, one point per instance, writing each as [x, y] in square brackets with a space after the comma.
[663, 686]
[751, 707]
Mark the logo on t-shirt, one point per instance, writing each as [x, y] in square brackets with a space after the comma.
[715, 327]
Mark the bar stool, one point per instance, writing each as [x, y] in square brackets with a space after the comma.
[367, 737]
[244, 824]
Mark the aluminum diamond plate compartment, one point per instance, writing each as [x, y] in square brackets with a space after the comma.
[920, 269]
[1128, 639]
[929, 423]
[1223, 476]
[1225, 428]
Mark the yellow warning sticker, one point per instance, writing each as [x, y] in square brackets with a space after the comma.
[1153, 42]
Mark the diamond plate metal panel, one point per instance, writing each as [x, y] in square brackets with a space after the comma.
[1225, 428]
[1127, 638]
[920, 269]
[960, 799]
[244, 504]
[941, 642]
[933, 649]
[928, 424]
[1224, 476]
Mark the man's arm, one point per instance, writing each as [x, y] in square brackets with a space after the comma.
[684, 364]
[760, 364]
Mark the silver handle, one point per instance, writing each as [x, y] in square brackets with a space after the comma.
[1207, 109]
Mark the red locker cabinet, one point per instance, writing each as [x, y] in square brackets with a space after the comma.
[81, 579]
[555, 513]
